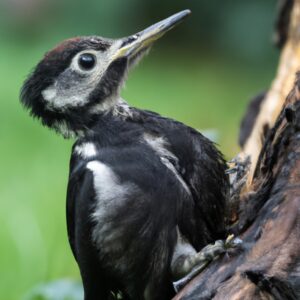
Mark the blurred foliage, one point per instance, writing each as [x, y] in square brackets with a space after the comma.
[202, 73]
[57, 290]
[241, 26]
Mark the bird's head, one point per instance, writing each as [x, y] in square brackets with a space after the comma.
[82, 77]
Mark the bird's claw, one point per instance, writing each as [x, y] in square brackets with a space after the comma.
[207, 255]
[238, 170]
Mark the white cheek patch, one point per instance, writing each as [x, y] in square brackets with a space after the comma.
[86, 150]
[50, 93]
[67, 92]
[58, 98]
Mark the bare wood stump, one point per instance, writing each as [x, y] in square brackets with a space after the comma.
[267, 265]
[289, 64]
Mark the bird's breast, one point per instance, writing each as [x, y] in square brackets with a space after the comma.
[112, 196]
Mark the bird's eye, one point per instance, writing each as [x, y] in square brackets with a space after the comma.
[87, 61]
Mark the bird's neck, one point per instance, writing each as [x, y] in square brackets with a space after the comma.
[121, 109]
[100, 113]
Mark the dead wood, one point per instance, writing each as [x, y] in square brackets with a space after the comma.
[267, 265]
[289, 64]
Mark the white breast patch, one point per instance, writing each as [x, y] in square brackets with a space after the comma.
[86, 150]
[110, 194]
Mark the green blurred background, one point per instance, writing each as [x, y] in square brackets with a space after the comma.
[202, 73]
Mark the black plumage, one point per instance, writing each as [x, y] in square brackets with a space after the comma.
[141, 187]
[147, 220]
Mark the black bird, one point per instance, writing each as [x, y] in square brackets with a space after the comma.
[145, 192]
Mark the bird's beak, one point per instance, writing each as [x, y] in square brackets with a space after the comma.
[134, 44]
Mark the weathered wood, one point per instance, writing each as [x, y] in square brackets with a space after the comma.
[267, 265]
[289, 64]
[284, 9]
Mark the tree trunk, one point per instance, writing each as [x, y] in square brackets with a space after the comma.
[267, 265]
[289, 64]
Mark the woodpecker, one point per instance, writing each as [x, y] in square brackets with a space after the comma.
[145, 193]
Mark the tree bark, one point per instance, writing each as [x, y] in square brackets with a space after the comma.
[267, 265]
[289, 64]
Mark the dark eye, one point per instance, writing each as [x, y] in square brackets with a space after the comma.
[87, 61]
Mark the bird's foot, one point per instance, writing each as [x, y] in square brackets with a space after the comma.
[239, 168]
[195, 264]
[238, 174]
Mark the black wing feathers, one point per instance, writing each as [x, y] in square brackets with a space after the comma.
[202, 167]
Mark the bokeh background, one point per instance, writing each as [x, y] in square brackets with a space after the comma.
[202, 73]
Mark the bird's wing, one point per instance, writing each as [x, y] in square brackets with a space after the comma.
[209, 185]
[80, 192]
[202, 168]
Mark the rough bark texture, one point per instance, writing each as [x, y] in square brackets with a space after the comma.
[288, 33]
[267, 265]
